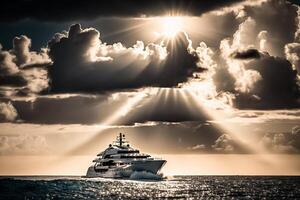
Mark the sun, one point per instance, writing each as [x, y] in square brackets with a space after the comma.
[171, 26]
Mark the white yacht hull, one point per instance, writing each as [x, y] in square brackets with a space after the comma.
[152, 166]
[110, 173]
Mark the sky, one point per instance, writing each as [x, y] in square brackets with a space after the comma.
[212, 83]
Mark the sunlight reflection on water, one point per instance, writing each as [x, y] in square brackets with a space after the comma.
[182, 187]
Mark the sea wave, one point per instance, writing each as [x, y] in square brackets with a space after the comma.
[143, 175]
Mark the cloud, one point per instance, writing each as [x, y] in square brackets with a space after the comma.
[256, 79]
[268, 17]
[7, 112]
[23, 70]
[21, 49]
[67, 10]
[264, 44]
[292, 52]
[278, 80]
[224, 143]
[23, 57]
[282, 142]
[183, 137]
[276, 88]
[7, 64]
[197, 147]
[77, 109]
[14, 80]
[263, 22]
[296, 130]
[263, 117]
[252, 68]
[246, 54]
[23, 145]
[296, 137]
[162, 106]
[155, 105]
[81, 62]
[248, 70]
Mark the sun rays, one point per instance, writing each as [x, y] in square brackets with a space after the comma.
[149, 101]
[119, 114]
[199, 100]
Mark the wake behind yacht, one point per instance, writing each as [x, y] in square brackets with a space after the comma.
[120, 160]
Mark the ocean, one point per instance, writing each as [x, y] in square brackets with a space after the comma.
[177, 187]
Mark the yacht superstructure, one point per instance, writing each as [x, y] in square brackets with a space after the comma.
[120, 160]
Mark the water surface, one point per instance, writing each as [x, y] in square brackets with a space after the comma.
[178, 187]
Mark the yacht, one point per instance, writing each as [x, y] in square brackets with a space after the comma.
[120, 160]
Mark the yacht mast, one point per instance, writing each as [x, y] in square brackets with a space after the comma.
[121, 139]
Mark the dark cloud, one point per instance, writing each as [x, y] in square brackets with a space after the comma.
[167, 105]
[77, 109]
[160, 106]
[81, 62]
[272, 82]
[15, 80]
[278, 86]
[58, 10]
[247, 54]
